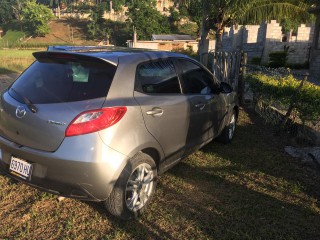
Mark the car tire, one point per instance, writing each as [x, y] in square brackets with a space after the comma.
[134, 188]
[227, 133]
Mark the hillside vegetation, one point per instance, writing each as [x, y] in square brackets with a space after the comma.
[65, 32]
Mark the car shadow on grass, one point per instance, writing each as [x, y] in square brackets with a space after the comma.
[257, 148]
[249, 189]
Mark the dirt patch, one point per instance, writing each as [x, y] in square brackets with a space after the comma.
[66, 31]
[6, 80]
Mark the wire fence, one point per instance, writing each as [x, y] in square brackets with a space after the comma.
[297, 110]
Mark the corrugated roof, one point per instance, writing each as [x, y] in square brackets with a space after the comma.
[172, 37]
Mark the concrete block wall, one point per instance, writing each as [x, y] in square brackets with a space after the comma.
[260, 40]
[305, 33]
[315, 62]
[274, 33]
[250, 34]
[298, 52]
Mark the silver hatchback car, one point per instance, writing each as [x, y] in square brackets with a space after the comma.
[101, 124]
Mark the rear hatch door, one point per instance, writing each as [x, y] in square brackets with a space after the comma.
[38, 107]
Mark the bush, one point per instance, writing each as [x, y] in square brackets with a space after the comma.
[278, 59]
[36, 17]
[282, 89]
[304, 65]
[256, 60]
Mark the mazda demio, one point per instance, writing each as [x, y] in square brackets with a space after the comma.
[101, 124]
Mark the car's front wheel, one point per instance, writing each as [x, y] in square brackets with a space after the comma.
[134, 188]
[228, 132]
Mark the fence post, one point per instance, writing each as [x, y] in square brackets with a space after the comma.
[214, 64]
[233, 69]
[242, 77]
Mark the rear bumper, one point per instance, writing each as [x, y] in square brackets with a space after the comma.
[85, 169]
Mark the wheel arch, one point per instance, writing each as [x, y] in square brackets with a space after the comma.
[154, 154]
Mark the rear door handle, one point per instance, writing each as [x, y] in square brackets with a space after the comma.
[157, 112]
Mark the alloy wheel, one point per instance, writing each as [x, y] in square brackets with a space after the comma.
[139, 187]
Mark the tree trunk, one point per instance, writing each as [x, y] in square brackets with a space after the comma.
[204, 43]
[315, 49]
[219, 33]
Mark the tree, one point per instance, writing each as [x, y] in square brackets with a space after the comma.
[5, 12]
[96, 28]
[17, 7]
[36, 17]
[117, 4]
[146, 19]
[218, 14]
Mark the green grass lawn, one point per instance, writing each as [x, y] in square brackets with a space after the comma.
[249, 189]
[14, 60]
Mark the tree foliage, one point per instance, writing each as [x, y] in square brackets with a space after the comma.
[36, 17]
[118, 4]
[5, 12]
[96, 28]
[146, 19]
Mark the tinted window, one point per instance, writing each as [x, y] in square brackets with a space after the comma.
[158, 77]
[54, 81]
[195, 79]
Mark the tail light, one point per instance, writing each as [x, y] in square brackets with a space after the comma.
[95, 120]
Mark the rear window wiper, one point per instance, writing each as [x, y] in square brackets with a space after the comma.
[29, 104]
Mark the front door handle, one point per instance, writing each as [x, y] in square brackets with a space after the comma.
[200, 105]
[157, 112]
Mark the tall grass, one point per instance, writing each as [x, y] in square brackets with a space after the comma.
[15, 60]
[11, 39]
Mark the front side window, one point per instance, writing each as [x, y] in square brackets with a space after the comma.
[195, 79]
[157, 77]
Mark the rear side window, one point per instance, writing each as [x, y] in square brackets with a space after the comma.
[64, 80]
[157, 77]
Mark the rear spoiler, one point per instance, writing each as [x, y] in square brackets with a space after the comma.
[45, 56]
[85, 48]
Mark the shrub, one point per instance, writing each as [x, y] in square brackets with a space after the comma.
[36, 17]
[304, 65]
[256, 60]
[282, 89]
[278, 59]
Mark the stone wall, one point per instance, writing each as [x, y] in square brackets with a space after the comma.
[260, 40]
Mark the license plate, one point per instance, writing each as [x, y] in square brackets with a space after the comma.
[20, 168]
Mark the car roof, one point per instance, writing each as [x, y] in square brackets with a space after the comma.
[112, 54]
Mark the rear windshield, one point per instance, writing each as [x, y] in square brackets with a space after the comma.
[63, 80]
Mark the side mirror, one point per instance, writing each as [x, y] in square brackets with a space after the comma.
[225, 87]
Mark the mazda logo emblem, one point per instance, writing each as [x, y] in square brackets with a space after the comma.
[20, 112]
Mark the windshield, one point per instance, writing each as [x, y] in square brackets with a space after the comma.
[57, 80]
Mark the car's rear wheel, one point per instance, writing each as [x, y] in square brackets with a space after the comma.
[134, 188]
[227, 133]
